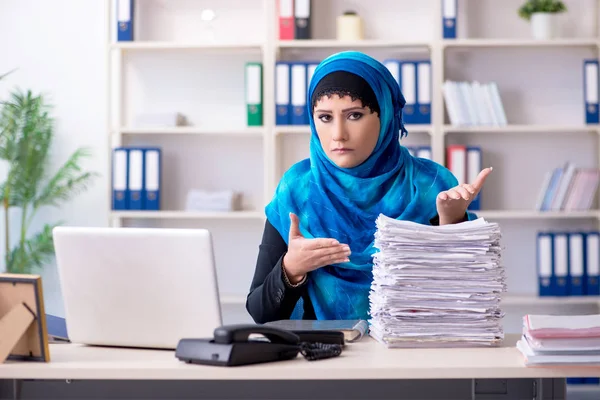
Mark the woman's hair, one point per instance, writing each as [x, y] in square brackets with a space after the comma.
[345, 83]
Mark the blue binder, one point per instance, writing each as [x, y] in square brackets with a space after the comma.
[545, 262]
[135, 179]
[591, 90]
[298, 75]
[592, 259]
[424, 92]
[408, 86]
[152, 178]
[125, 20]
[120, 168]
[449, 8]
[560, 270]
[282, 93]
[576, 251]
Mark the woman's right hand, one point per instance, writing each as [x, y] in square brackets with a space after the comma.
[305, 255]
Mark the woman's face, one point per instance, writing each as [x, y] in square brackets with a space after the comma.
[348, 131]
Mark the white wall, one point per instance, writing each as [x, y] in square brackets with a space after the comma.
[58, 48]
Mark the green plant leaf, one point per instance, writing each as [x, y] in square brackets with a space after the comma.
[67, 182]
[33, 254]
[26, 134]
[534, 6]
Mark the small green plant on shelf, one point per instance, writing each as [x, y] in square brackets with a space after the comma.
[26, 136]
[541, 6]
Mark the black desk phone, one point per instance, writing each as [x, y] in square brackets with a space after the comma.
[232, 346]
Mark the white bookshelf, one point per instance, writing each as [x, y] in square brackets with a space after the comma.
[185, 130]
[468, 43]
[172, 68]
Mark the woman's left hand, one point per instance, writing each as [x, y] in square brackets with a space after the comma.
[452, 204]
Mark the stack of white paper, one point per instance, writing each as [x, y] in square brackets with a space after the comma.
[560, 340]
[437, 286]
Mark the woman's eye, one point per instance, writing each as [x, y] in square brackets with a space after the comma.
[324, 117]
[355, 115]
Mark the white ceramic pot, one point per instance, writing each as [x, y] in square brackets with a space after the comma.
[543, 26]
[349, 27]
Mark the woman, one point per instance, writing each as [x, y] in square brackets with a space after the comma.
[315, 259]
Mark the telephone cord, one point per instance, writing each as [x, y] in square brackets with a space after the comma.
[319, 351]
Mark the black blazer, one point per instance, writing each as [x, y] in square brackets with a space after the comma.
[270, 297]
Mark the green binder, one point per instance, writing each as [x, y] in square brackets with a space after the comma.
[254, 93]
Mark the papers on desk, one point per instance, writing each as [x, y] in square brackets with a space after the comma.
[560, 340]
[437, 286]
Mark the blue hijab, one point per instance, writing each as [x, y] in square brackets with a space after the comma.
[344, 203]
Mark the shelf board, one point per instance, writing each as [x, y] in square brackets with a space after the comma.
[575, 42]
[192, 130]
[156, 46]
[523, 129]
[334, 43]
[533, 214]
[535, 300]
[305, 129]
[188, 214]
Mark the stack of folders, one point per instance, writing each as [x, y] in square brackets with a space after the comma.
[437, 286]
[474, 104]
[568, 263]
[414, 79]
[568, 188]
[136, 178]
[560, 340]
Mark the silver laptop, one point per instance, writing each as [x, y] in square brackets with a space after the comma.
[137, 287]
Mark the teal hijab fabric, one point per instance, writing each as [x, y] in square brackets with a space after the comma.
[343, 203]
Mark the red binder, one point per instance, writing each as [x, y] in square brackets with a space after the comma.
[286, 19]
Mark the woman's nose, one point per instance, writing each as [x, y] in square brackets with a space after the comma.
[339, 132]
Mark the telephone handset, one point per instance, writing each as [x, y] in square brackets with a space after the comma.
[242, 332]
[232, 345]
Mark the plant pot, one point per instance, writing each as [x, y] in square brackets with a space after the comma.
[543, 26]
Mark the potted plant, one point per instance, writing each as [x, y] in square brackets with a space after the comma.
[26, 134]
[542, 14]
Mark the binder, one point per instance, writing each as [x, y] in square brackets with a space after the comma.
[302, 19]
[456, 155]
[282, 93]
[408, 85]
[576, 264]
[286, 19]
[552, 188]
[545, 263]
[394, 67]
[310, 71]
[135, 180]
[560, 276]
[590, 90]
[449, 18]
[254, 95]
[423, 110]
[473, 169]
[120, 170]
[152, 178]
[125, 20]
[592, 263]
[298, 94]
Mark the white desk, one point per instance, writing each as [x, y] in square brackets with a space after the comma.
[359, 362]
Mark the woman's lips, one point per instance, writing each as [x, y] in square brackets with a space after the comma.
[342, 150]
